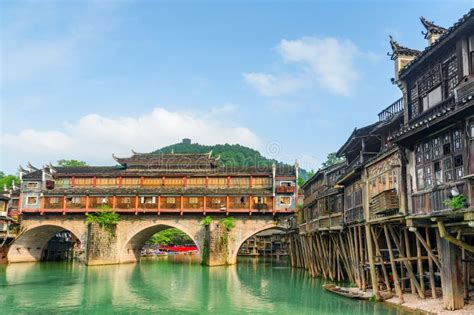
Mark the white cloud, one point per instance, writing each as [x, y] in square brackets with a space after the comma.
[325, 62]
[95, 137]
[270, 85]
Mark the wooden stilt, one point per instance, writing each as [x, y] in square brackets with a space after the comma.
[408, 251]
[398, 289]
[371, 254]
[420, 266]
[407, 264]
[382, 262]
[430, 265]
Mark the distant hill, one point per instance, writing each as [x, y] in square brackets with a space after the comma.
[231, 154]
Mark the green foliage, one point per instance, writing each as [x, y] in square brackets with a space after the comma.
[302, 180]
[456, 202]
[170, 236]
[106, 218]
[332, 159]
[207, 220]
[71, 163]
[373, 298]
[228, 222]
[231, 154]
[8, 180]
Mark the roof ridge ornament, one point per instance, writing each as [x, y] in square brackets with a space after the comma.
[431, 28]
[398, 49]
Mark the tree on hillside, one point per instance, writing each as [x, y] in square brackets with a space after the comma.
[170, 236]
[71, 163]
[332, 159]
[8, 180]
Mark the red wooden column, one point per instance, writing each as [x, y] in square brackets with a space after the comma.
[207, 181]
[42, 204]
[204, 205]
[119, 181]
[182, 204]
[136, 204]
[250, 204]
[73, 181]
[142, 181]
[159, 204]
[227, 204]
[87, 203]
[273, 205]
[251, 181]
[64, 205]
[94, 181]
[228, 181]
[185, 181]
[114, 202]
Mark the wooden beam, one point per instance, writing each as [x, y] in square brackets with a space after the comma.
[396, 280]
[451, 239]
[430, 264]
[428, 248]
[379, 254]
[407, 264]
[373, 273]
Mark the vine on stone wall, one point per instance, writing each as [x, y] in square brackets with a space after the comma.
[104, 217]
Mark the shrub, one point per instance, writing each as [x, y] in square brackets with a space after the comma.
[228, 222]
[207, 220]
[456, 202]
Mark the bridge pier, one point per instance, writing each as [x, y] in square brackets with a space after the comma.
[101, 245]
[216, 245]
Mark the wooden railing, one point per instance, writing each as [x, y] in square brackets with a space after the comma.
[433, 201]
[395, 108]
[384, 204]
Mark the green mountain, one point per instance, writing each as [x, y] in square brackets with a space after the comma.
[231, 154]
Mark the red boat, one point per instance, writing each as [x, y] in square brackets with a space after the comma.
[179, 249]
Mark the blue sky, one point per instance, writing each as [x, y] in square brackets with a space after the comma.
[84, 80]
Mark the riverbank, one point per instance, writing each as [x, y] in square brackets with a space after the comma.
[428, 305]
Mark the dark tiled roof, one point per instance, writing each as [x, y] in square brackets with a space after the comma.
[158, 190]
[357, 133]
[35, 175]
[431, 27]
[398, 49]
[281, 170]
[445, 37]
[169, 160]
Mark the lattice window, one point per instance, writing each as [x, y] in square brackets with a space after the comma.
[457, 140]
[436, 148]
[427, 151]
[450, 75]
[414, 101]
[458, 167]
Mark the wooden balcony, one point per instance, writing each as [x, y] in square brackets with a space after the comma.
[432, 202]
[285, 189]
[384, 204]
[53, 202]
[395, 108]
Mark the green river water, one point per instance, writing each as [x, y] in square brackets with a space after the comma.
[253, 286]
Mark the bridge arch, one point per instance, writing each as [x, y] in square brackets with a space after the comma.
[31, 242]
[240, 241]
[130, 251]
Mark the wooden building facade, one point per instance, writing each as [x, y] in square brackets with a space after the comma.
[160, 183]
[407, 183]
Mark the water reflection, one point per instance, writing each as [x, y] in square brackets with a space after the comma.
[252, 286]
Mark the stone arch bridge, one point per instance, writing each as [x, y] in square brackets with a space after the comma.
[131, 233]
